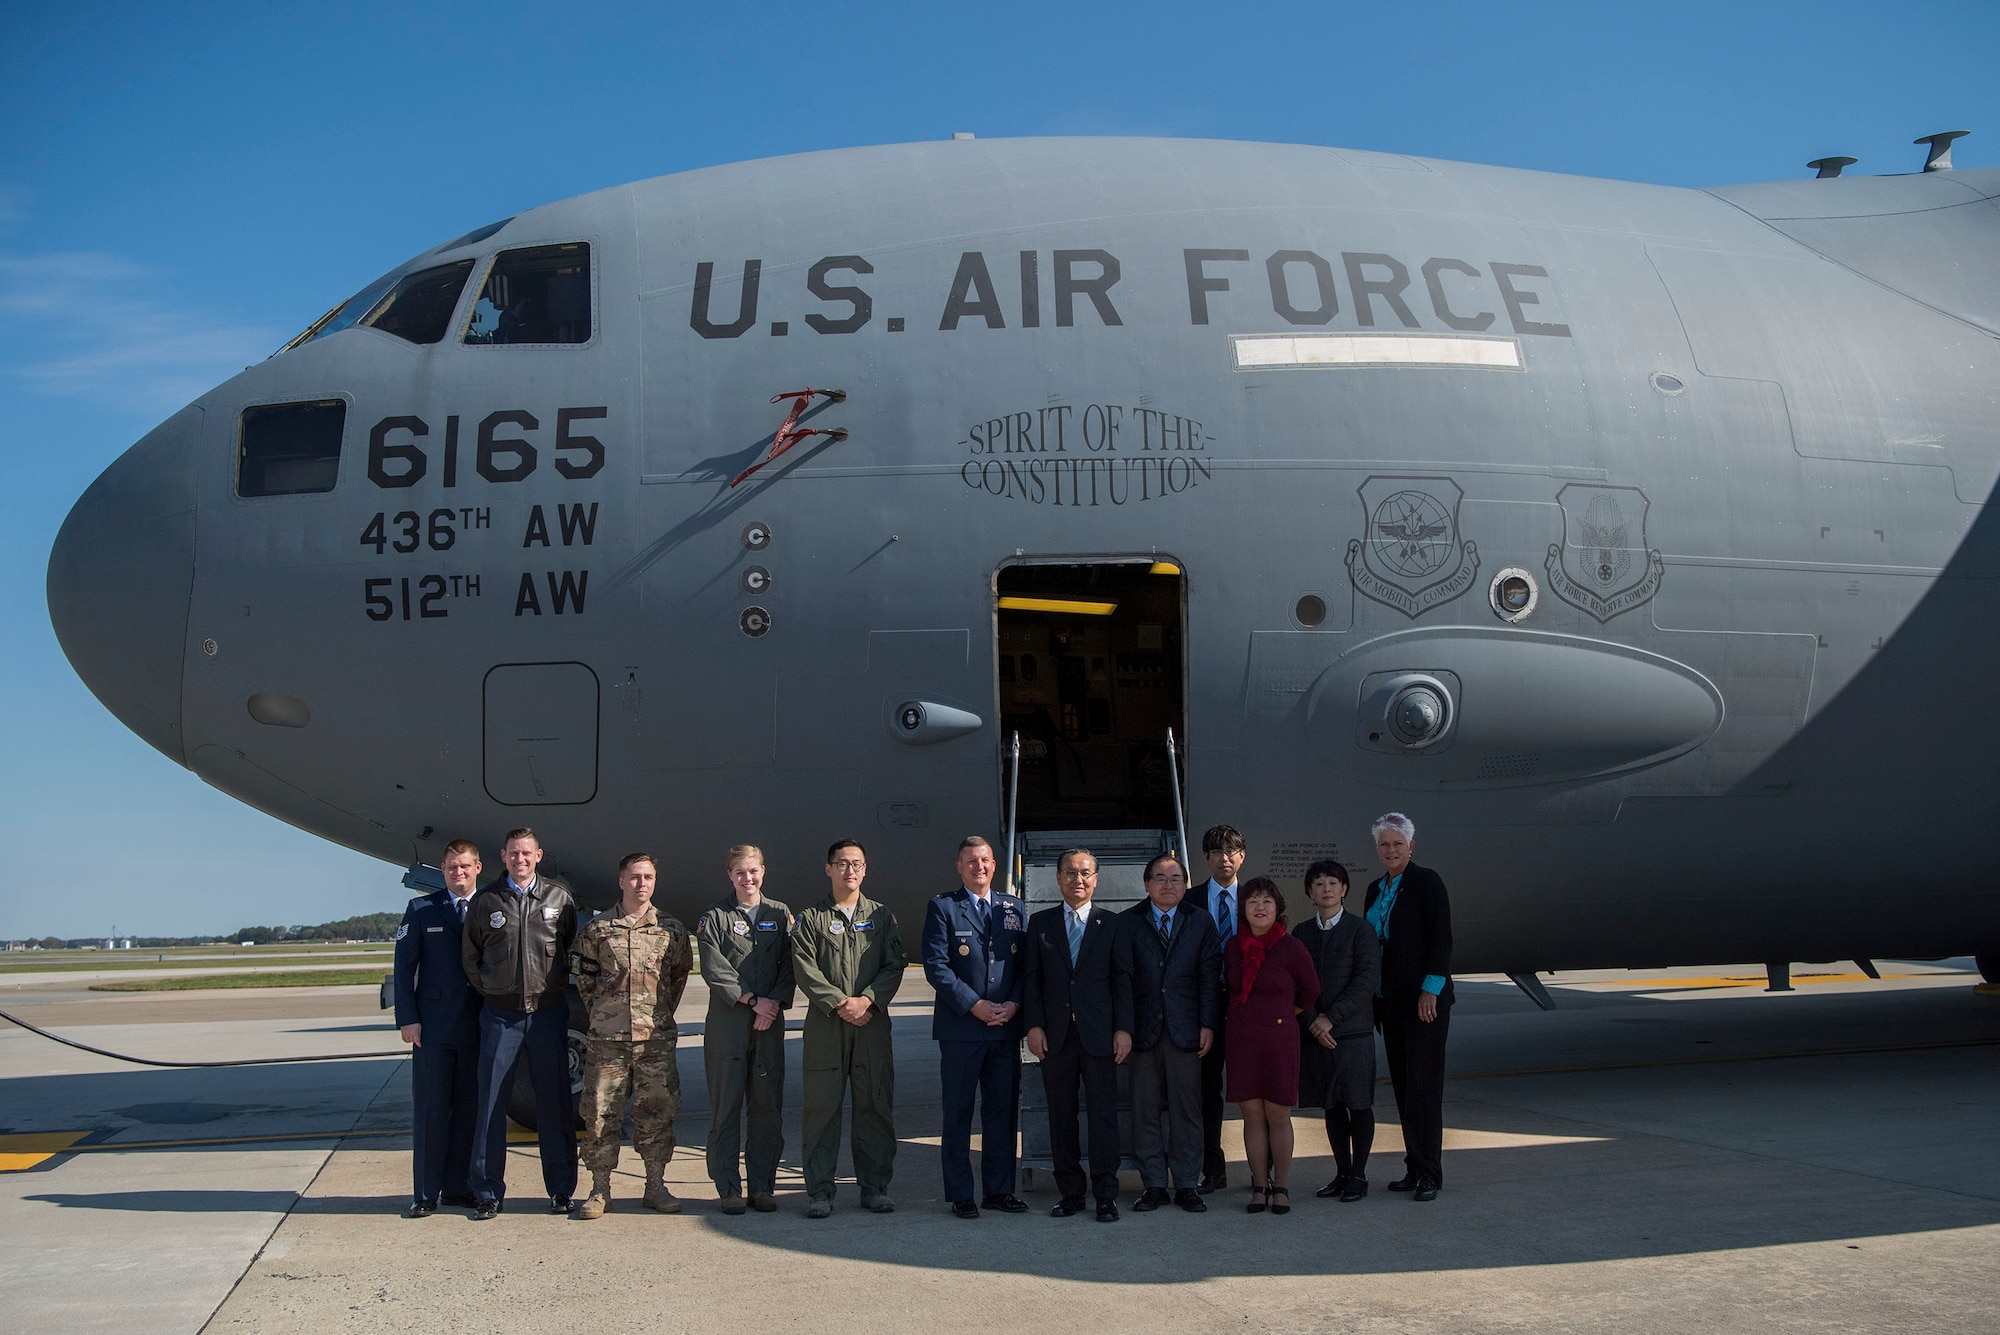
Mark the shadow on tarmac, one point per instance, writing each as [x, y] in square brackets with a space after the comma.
[173, 1202]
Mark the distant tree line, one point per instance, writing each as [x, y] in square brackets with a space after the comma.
[362, 927]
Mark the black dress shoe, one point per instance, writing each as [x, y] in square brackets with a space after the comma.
[1152, 1198]
[1407, 1182]
[561, 1205]
[1005, 1203]
[1107, 1212]
[1356, 1189]
[486, 1207]
[462, 1200]
[1427, 1190]
[1333, 1188]
[1189, 1199]
[420, 1210]
[1280, 1206]
[965, 1209]
[1212, 1182]
[1064, 1208]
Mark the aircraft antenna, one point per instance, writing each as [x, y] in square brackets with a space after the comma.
[1940, 154]
[1828, 168]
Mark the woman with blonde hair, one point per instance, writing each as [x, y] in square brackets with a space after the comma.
[746, 960]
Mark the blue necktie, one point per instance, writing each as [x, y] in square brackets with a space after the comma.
[1226, 918]
[985, 918]
[1075, 934]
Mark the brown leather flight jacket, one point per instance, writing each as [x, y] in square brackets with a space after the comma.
[516, 946]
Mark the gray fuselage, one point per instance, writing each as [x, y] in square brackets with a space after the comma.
[1739, 444]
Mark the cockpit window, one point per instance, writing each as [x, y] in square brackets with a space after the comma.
[538, 295]
[345, 314]
[285, 449]
[419, 307]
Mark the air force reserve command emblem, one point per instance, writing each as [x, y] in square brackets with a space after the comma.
[1603, 565]
[1411, 557]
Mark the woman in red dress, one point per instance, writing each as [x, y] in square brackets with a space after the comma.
[1271, 980]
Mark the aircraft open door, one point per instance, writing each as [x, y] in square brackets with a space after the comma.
[1091, 672]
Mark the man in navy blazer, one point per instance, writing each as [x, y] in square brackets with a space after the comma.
[438, 1013]
[1167, 966]
[1079, 1029]
[973, 938]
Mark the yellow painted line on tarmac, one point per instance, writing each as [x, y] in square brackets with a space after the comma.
[21, 1152]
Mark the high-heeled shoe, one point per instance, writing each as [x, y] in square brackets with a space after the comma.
[1273, 1195]
[1257, 1206]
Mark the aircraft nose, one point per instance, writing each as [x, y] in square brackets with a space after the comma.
[120, 575]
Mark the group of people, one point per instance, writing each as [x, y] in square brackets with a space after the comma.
[1206, 998]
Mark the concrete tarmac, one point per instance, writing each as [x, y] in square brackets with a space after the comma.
[1674, 1151]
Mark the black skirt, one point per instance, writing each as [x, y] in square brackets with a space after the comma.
[1343, 1078]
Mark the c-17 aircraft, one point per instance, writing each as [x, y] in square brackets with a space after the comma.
[1634, 540]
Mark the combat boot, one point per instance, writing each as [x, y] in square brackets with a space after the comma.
[657, 1196]
[599, 1200]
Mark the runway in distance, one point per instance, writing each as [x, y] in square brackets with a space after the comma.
[1635, 540]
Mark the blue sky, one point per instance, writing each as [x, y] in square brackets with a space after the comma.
[182, 188]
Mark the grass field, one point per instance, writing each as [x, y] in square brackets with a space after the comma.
[283, 978]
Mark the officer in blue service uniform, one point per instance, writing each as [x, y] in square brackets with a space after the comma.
[438, 1012]
[973, 939]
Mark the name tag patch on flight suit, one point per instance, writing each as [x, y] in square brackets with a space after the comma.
[772, 927]
[552, 913]
[498, 919]
[862, 926]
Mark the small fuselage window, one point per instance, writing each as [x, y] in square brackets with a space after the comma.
[286, 449]
[537, 295]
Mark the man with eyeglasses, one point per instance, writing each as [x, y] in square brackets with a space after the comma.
[1167, 969]
[847, 957]
[1079, 1029]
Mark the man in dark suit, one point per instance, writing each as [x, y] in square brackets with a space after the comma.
[1167, 969]
[1223, 849]
[1411, 915]
[1079, 1029]
[438, 1013]
[972, 956]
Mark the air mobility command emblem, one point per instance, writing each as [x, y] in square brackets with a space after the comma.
[1603, 565]
[1411, 556]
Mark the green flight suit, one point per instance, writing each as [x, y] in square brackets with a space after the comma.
[745, 953]
[834, 957]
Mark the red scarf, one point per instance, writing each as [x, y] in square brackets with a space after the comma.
[1255, 948]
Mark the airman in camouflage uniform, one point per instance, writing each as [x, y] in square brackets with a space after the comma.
[631, 965]
[847, 955]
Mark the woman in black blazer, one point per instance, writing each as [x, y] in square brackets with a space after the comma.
[1411, 914]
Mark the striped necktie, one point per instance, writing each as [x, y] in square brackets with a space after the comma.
[1075, 934]
[1166, 925]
